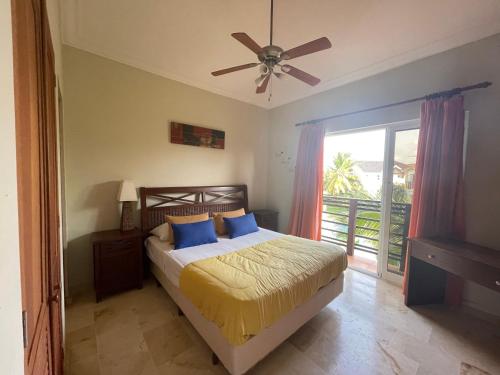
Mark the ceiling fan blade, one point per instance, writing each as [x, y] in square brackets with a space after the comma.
[247, 42]
[307, 48]
[300, 74]
[263, 86]
[234, 69]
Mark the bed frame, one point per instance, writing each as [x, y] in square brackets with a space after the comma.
[158, 202]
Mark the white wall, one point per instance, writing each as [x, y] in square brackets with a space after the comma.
[116, 126]
[462, 66]
[11, 344]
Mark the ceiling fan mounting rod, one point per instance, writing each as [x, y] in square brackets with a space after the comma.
[271, 28]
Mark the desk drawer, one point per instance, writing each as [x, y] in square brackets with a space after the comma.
[436, 257]
[479, 273]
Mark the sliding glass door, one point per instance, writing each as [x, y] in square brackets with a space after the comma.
[399, 171]
[368, 188]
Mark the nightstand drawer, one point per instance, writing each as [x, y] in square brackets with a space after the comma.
[116, 247]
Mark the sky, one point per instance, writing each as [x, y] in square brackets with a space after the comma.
[365, 145]
[369, 146]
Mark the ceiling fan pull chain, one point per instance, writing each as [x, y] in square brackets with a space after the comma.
[270, 89]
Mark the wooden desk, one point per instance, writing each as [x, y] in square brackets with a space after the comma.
[431, 259]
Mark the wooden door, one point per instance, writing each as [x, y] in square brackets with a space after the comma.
[37, 199]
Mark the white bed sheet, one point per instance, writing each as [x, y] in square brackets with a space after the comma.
[171, 261]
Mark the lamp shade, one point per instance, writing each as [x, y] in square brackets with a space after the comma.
[127, 192]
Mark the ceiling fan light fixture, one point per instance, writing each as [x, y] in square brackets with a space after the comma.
[260, 80]
[285, 69]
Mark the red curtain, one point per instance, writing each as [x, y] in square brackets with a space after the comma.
[307, 204]
[438, 199]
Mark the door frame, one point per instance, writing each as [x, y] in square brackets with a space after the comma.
[387, 174]
[389, 146]
[388, 164]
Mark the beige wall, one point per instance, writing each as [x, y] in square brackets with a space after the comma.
[53, 13]
[116, 127]
[11, 344]
[466, 65]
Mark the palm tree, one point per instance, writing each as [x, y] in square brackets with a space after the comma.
[340, 179]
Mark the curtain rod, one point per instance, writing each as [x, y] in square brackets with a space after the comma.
[446, 93]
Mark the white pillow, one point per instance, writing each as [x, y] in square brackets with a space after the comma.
[161, 231]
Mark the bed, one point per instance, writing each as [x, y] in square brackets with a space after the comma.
[166, 265]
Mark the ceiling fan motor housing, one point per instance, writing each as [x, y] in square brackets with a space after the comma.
[270, 56]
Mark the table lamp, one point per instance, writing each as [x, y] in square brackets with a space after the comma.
[127, 194]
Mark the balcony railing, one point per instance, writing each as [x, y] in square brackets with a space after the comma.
[356, 224]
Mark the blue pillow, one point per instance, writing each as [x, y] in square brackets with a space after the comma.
[241, 225]
[194, 234]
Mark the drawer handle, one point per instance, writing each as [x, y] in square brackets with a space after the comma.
[497, 282]
[430, 256]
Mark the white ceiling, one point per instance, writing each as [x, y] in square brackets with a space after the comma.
[187, 39]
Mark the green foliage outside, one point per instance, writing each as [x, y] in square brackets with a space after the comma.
[341, 181]
[399, 194]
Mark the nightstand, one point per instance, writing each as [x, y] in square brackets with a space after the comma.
[117, 261]
[267, 219]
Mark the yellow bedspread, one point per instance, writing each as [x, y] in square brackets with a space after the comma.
[248, 290]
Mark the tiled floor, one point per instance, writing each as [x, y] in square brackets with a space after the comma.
[364, 262]
[367, 330]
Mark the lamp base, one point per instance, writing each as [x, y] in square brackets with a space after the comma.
[127, 222]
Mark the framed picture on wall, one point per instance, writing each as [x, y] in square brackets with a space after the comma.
[185, 134]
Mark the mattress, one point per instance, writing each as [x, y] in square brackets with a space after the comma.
[171, 261]
[246, 291]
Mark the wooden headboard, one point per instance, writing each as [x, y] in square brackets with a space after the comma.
[157, 202]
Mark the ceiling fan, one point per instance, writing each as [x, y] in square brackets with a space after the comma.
[271, 56]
